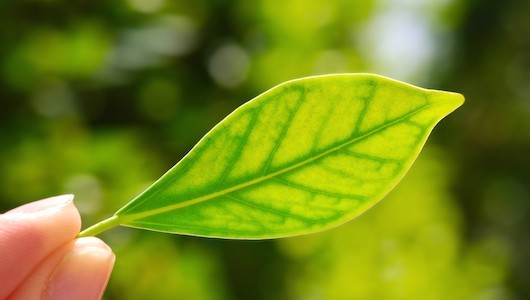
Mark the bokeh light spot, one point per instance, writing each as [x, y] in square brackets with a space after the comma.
[229, 65]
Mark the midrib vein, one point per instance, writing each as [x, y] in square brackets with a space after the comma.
[132, 217]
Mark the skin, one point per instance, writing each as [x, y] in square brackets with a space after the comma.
[41, 258]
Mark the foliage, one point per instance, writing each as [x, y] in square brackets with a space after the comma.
[302, 157]
[91, 88]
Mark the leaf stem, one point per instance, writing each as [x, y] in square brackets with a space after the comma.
[100, 227]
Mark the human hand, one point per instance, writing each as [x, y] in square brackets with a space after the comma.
[40, 257]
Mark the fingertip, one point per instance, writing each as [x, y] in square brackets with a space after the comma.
[43, 206]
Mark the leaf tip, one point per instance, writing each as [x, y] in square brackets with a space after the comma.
[449, 100]
[457, 98]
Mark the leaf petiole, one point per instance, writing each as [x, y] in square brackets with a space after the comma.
[100, 227]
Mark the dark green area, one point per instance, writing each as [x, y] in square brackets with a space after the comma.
[100, 98]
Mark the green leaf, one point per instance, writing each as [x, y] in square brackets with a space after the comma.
[304, 156]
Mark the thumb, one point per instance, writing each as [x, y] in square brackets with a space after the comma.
[30, 233]
[41, 259]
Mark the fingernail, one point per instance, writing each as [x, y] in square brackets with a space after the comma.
[83, 272]
[43, 205]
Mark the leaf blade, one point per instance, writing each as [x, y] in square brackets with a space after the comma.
[284, 163]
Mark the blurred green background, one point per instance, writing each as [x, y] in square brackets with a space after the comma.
[100, 98]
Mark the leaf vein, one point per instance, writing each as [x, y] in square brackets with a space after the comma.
[317, 191]
[366, 134]
[270, 210]
[366, 103]
[369, 157]
[239, 149]
[283, 133]
[321, 128]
